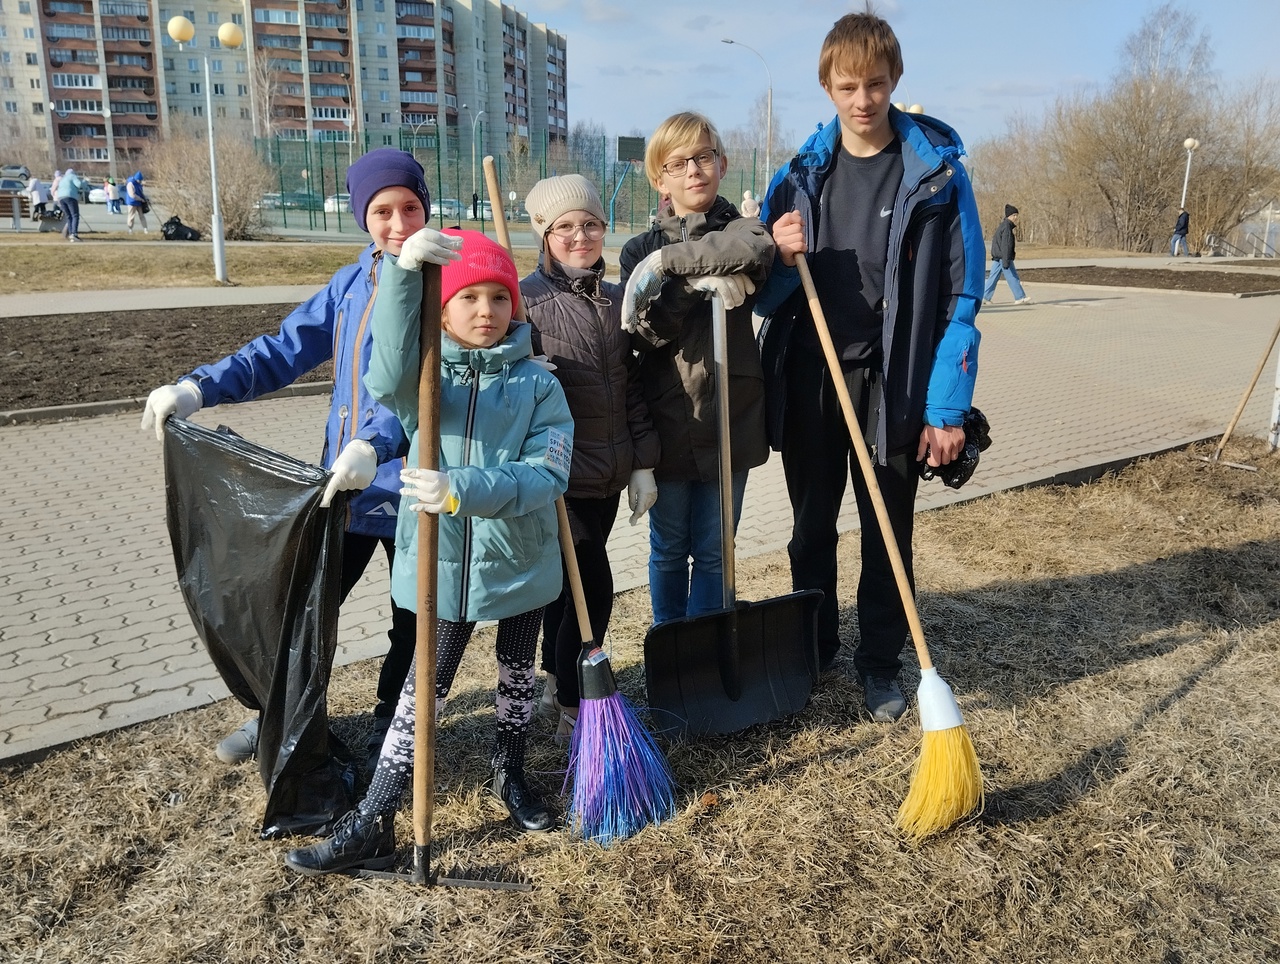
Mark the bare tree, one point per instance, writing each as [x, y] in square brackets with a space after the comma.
[178, 172]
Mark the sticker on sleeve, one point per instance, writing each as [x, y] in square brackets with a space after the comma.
[559, 449]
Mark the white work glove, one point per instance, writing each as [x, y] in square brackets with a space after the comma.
[428, 244]
[354, 468]
[183, 400]
[642, 288]
[642, 493]
[542, 361]
[732, 288]
[430, 488]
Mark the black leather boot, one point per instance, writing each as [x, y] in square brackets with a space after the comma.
[528, 812]
[358, 843]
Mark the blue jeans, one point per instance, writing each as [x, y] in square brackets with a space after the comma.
[685, 523]
[71, 208]
[1010, 275]
[1179, 239]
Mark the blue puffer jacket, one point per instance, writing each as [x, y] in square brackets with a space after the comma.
[332, 324]
[933, 285]
[506, 440]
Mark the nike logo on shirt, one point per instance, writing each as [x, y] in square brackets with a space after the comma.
[886, 212]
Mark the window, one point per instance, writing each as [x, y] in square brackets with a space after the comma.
[141, 34]
[35, 83]
[382, 50]
[220, 111]
[198, 110]
[6, 83]
[242, 90]
[215, 66]
[241, 67]
[213, 17]
[409, 32]
[275, 16]
[219, 90]
[418, 96]
[386, 118]
[33, 60]
[168, 62]
[413, 76]
[244, 113]
[195, 88]
[37, 107]
[24, 6]
[384, 95]
[79, 31]
[238, 19]
[384, 74]
[77, 80]
[380, 29]
[28, 33]
[193, 64]
[11, 106]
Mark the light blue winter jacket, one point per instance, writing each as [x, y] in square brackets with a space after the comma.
[69, 185]
[506, 440]
[331, 324]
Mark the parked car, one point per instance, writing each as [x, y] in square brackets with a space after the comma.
[12, 185]
[447, 207]
[272, 200]
[302, 199]
[15, 170]
[97, 196]
[336, 203]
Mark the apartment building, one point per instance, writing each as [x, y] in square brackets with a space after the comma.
[95, 81]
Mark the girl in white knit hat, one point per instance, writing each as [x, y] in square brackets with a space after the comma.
[576, 316]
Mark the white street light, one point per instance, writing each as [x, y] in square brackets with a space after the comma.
[229, 35]
[474, 120]
[1190, 144]
[768, 121]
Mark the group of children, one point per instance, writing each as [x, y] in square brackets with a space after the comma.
[880, 200]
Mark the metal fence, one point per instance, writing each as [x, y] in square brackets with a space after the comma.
[310, 179]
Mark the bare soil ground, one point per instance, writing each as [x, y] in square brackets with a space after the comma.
[1113, 648]
[65, 359]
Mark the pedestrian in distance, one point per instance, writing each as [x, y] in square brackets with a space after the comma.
[39, 197]
[1002, 255]
[878, 202]
[112, 191]
[702, 245]
[750, 206]
[506, 445]
[1180, 228]
[364, 443]
[576, 317]
[135, 199]
[68, 197]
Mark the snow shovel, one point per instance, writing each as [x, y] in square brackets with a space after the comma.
[743, 664]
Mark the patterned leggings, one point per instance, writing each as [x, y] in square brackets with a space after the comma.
[516, 648]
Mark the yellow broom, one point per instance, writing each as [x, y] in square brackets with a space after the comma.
[947, 781]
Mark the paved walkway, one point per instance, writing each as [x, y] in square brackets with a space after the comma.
[94, 634]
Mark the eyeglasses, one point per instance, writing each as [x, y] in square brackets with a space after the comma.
[704, 161]
[591, 230]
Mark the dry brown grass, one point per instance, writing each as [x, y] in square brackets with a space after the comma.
[41, 262]
[1113, 648]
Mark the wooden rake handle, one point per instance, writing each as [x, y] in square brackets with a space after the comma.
[1244, 399]
[494, 190]
[424, 724]
[864, 462]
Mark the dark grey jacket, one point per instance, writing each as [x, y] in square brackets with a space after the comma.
[1003, 248]
[577, 323]
[674, 341]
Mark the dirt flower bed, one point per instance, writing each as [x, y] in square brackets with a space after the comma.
[1114, 649]
[1182, 279]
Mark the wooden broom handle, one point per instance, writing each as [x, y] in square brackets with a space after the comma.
[864, 462]
[1244, 399]
[494, 190]
[424, 743]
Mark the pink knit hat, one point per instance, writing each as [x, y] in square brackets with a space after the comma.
[482, 260]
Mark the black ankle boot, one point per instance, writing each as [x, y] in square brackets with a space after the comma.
[358, 843]
[528, 812]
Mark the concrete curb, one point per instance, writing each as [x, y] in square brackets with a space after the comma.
[56, 413]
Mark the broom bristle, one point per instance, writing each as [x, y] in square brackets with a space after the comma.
[945, 787]
[621, 780]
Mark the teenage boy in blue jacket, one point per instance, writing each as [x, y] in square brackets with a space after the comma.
[881, 204]
[365, 443]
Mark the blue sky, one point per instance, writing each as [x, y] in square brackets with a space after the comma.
[974, 64]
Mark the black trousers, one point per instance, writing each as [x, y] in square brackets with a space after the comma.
[818, 459]
[357, 550]
[590, 522]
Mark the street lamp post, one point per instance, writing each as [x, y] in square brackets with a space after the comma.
[1190, 144]
[474, 120]
[229, 35]
[768, 119]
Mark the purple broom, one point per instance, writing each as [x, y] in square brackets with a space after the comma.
[621, 780]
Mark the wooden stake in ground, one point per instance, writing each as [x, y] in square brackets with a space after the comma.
[424, 724]
[1244, 400]
[947, 782]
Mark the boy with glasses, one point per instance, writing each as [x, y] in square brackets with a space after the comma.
[881, 203]
[576, 317]
[701, 245]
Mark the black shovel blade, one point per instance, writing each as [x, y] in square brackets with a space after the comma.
[726, 670]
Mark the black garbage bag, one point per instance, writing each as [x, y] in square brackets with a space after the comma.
[260, 564]
[175, 230]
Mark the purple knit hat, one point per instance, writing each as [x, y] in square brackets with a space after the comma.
[386, 167]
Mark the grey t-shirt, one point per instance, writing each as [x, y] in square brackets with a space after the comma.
[853, 251]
